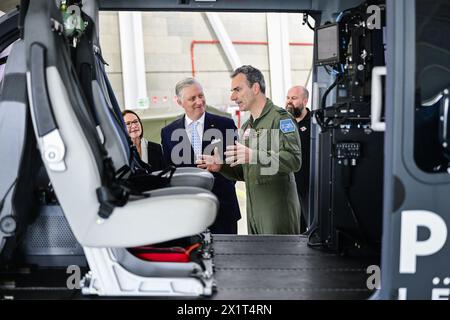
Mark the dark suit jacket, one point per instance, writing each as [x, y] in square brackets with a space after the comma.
[224, 189]
[155, 156]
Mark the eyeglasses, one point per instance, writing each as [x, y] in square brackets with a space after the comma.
[130, 123]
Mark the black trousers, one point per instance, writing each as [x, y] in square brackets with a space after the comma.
[229, 228]
[304, 215]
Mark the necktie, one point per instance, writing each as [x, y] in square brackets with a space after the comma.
[195, 139]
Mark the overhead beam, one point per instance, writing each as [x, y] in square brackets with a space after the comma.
[224, 39]
[213, 5]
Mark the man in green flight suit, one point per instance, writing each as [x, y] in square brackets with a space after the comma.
[266, 157]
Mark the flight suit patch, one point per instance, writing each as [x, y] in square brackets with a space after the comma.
[287, 126]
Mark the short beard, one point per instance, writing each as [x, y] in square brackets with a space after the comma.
[296, 112]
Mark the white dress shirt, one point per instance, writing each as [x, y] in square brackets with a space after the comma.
[200, 126]
[144, 150]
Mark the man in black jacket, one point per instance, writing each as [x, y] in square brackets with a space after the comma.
[296, 101]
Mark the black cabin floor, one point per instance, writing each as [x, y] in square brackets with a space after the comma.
[247, 268]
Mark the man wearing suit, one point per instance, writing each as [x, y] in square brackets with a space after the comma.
[196, 133]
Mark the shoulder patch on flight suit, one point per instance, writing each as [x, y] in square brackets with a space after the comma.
[287, 126]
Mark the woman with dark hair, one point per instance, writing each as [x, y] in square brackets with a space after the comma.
[149, 152]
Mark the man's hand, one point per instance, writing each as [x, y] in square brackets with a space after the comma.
[210, 163]
[238, 154]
